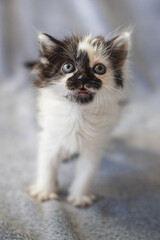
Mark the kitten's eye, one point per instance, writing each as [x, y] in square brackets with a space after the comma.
[68, 67]
[99, 69]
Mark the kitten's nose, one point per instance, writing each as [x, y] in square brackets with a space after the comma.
[84, 81]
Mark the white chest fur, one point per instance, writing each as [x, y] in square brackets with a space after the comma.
[70, 126]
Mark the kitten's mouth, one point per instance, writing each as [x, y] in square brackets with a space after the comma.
[83, 92]
[81, 96]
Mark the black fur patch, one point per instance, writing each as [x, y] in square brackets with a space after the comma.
[63, 52]
[81, 98]
[118, 76]
[84, 75]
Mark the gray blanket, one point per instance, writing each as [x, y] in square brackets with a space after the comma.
[127, 184]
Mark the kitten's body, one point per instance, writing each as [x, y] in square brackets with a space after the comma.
[76, 119]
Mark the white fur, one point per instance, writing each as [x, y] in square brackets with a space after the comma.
[44, 60]
[68, 128]
[44, 39]
[123, 39]
[87, 45]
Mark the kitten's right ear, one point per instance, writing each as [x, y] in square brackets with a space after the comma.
[47, 44]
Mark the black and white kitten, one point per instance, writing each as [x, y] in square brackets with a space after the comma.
[80, 83]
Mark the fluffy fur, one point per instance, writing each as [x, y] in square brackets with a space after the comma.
[76, 110]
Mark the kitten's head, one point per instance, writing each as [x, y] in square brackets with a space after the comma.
[79, 68]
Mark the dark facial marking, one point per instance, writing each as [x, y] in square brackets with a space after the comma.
[81, 98]
[84, 75]
[118, 76]
[63, 51]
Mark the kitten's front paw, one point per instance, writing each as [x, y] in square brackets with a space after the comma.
[81, 201]
[41, 194]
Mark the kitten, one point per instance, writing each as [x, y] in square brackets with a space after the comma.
[80, 84]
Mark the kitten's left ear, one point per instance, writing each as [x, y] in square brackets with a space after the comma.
[118, 49]
[47, 44]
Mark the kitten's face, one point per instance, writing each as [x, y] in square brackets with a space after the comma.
[79, 68]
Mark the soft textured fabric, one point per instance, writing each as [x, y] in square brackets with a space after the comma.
[128, 181]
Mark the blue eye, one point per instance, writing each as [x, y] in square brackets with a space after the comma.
[99, 69]
[68, 67]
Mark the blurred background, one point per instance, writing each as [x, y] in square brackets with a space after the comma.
[137, 136]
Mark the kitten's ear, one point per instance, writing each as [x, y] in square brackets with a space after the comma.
[47, 44]
[118, 49]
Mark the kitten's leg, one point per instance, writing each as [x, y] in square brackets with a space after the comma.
[87, 165]
[48, 161]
